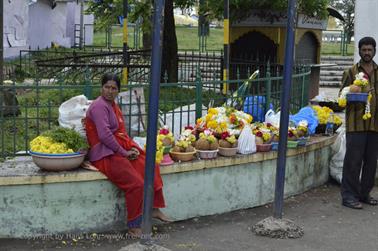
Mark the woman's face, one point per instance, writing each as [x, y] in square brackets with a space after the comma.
[109, 90]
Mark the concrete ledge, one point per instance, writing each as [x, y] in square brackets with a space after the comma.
[34, 203]
[22, 170]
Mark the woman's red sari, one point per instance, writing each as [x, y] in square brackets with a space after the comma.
[126, 174]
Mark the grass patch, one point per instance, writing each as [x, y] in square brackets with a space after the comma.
[335, 49]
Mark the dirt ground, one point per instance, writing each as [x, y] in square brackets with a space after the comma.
[327, 226]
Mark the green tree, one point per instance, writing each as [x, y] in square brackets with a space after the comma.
[346, 7]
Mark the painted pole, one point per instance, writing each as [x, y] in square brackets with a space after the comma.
[125, 33]
[284, 119]
[226, 45]
[153, 105]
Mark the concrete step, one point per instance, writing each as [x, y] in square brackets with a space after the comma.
[330, 78]
[331, 72]
[330, 83]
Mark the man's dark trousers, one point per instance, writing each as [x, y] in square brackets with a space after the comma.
[361, 152]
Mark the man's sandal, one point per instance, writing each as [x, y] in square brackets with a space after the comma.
[352, 204]
[370, 201]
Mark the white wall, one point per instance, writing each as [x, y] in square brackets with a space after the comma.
[48, 25]
[366, 22]
[15, 27]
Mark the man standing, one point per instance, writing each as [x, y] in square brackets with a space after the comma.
[361, 155]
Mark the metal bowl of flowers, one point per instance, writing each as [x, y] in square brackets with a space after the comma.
[57, 162]
[59, 149]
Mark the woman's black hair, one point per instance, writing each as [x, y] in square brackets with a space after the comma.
[111, 76]
[366, 41]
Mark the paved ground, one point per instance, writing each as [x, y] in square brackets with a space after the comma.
[327, 226]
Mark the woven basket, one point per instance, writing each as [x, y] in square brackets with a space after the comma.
[263, 147]
[207, 154]
[228, 151]
[179, 156]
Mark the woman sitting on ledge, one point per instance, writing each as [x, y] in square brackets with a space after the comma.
[117, 156]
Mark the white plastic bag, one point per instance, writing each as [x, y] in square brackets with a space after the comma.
[273, 118]
[337, 160]
[72, 111]
[246, 141]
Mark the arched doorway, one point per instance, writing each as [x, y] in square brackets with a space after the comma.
[306, 51]
[248, 52]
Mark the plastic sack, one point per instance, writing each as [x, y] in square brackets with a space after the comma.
[255, 105]
[180, 117]
[273, 118]
[133, 110]
[337, 160]
[72, 111]
[246, 141]
[308, 114]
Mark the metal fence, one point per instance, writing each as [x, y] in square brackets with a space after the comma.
[30, 109]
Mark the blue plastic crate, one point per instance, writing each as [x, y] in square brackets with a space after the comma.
[357, 97]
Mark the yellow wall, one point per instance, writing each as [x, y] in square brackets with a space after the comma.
[278, 36]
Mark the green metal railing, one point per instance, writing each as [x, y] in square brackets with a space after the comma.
[36, 107]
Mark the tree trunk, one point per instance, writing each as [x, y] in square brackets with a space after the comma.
[169, 62]
[147, 40]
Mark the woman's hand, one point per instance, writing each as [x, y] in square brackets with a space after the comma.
[132, 154]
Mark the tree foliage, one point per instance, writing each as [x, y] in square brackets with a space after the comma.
[240, 9]
[346, 7]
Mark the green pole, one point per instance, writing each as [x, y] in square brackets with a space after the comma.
[198, 94]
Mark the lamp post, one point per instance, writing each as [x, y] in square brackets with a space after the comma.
[153, 105]
[284, 119]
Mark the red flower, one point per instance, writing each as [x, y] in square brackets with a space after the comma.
[225, 135]
[189, 127]
[164, 131]
[291, 134]
[269, 125]
[259, 134]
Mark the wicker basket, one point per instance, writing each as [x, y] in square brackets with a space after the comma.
[207, 154]
[263, 147]
[179, 156]
[228, 151]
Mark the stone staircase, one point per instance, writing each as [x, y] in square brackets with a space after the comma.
[330, 76]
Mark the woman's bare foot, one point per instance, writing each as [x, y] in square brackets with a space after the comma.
[135, 232]
[158, 214]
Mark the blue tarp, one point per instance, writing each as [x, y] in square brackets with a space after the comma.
[306, 113]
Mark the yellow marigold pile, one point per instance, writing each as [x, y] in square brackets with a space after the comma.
[43, 144]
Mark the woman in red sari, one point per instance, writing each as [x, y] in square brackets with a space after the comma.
[117, 156]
